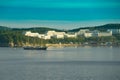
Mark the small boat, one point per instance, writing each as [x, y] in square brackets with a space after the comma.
[34, 48]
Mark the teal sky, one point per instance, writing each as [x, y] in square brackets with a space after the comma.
[58, 13]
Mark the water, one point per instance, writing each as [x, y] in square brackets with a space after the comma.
[82, 63]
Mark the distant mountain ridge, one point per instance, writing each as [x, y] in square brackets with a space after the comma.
[36, 29]
[44, 29]
[14, 37]
[33, 29]
[101, 27]
[4, 28]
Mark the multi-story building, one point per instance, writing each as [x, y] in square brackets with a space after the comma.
[54, 34]
[70, 35]
[88, 34]
[29, 33]
[82, 31]
[47, 35]
[50, 33]
[96, 33]
[114, 31]
[108, 33]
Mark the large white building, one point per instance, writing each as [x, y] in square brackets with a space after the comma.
[108, 33]
[55, 34]
[114, 31]
[88, 34]
[46, 37]
[49, 35]
[81, 32]
[97, 34]
[29, 33]
[70, 35]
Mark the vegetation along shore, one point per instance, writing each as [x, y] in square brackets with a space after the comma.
[93, 36]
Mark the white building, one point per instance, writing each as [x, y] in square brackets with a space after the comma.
[46, 37]
[29, 33]
[59, 35]
[91, 33]
[114, 31]
[41, 36]
[108, 33]
[88, 34]
[55, 34]
[82, 31]
[97, 34]
[71, 35]
[50, 33]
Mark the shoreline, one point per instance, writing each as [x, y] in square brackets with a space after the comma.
[73, 45]
[79, 45]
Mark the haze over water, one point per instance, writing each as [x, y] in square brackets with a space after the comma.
[82, 63]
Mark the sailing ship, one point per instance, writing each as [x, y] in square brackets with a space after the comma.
[35, 48]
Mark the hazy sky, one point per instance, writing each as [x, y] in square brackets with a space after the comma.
[58, 13]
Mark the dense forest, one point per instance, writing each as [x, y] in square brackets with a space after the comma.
[15, 37]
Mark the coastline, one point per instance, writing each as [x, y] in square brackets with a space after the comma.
[66, 45]
[80, 45]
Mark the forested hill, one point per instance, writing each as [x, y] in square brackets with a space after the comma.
[44, 29]
[15, 37]
[100, 28]
[40, 30]
[4, 28]
[33, 29]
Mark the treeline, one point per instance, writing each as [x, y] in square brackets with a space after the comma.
[100, 28]
[15, 37]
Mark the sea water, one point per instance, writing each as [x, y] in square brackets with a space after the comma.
[68, 63]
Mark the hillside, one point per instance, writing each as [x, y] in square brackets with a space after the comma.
[4, 28]
[100, 28]
[40, 30]
[14, 37]
[44, 29]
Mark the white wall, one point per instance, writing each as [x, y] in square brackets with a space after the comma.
[88, 34]
[104, 34]
[29, 33]
[114, 31]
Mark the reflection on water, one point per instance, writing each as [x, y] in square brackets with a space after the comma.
[82, 63]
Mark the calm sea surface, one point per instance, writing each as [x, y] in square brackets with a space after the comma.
[82, 63]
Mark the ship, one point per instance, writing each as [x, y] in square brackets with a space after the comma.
[34, 48]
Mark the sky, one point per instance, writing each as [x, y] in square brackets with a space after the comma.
[64, 14]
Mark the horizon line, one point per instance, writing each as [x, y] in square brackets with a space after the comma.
[55, 24]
